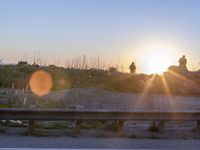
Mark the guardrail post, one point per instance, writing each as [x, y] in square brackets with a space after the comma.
[77, 127]
[198, 125]
[120, 126]
[161, 126]
[31, 126]
[2, 129]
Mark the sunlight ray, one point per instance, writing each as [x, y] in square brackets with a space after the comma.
[180, 76]
[168, 92]
[165, 85]
[141, 100]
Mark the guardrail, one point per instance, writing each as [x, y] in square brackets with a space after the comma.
[79, 115]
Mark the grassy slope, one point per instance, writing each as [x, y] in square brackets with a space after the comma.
[19, 75]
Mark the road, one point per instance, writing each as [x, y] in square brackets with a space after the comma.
[92, 143]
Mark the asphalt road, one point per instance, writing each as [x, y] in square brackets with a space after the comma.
[94, 143]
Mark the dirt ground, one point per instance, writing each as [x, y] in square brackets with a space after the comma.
[92, 98]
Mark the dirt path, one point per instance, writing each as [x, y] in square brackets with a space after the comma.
[92, 98]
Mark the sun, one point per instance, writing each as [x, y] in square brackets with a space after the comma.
[157, 64]
[155, 56]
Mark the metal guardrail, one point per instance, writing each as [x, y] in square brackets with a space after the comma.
[62, 114]
[80, 115]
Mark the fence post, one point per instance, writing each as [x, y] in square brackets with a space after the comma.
[161, 125]
[198, 125]
[31, 126]
[77, 127]
[120, 126]
[2, 129]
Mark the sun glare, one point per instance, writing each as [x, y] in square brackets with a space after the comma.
[40, 83]
[158, 64]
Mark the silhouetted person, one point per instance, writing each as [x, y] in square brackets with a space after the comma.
[132, 68]
[182, 64]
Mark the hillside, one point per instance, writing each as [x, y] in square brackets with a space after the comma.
[18, 76]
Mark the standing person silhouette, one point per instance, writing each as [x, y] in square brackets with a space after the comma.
[132, 68]
[182, 64]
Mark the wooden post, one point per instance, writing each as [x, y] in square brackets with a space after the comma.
[77, 127]
[120, 126]
[161, 126]
[2, 129]
[31, 126]
[198, 125]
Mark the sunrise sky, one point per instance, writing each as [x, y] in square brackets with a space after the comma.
[149, 32]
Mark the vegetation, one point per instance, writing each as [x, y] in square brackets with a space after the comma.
[17, 76]
[92, 124]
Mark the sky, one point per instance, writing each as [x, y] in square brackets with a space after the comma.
[117, 30]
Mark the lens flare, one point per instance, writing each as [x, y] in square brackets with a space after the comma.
[40, 83]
